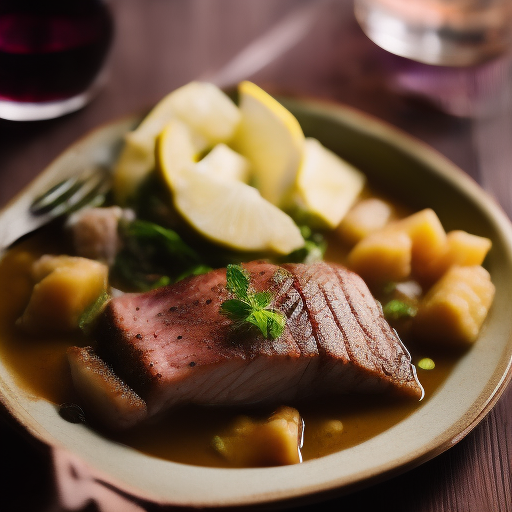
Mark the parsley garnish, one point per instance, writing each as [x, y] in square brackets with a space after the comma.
[251, 307]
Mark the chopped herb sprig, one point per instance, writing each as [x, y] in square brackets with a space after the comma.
[248, 307]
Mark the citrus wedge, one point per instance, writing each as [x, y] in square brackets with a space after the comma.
[210, 114]
[207, 110]
[225, 163]
[271, 138]
[327, 186]
[175, 152]
[226, 211]
[133, 165]
[234, 214]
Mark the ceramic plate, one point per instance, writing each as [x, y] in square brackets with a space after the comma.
[407, 169]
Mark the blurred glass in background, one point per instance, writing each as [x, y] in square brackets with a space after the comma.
[454, 53]
[51, 56]
[443, 32]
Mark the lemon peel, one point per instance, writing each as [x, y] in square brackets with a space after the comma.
[175, 152]
[271, 138]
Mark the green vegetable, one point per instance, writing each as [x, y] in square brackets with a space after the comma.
[89, 315]
[250, 307]
[426, 364]
[396, 309]
[154, 256]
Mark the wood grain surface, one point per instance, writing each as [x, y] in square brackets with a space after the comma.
[162, 44]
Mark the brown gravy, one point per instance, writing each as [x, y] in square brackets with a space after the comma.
[185, 434]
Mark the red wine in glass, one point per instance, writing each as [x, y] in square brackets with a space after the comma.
[51, 55]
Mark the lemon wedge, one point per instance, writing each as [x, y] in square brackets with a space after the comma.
[210, 114]
[327, 186]
[207, 110]
[224, 210]
[133, 165]
[175, 152]
[234, 214]
[225, 163]
[271, 138]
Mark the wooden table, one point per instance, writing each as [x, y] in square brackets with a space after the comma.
[161, 44]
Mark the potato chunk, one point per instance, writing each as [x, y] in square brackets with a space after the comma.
[366, 217]
[461, 249]
[382, 257]
[400, 249]
[65, 287]
[454, 309]
[427, 235]
[275, 441]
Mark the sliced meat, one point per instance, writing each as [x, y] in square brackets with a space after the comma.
[109, 399]
[173, 346]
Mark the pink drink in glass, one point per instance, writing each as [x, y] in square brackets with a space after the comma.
[51, 54]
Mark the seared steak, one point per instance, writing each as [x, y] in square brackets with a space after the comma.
[172, 345]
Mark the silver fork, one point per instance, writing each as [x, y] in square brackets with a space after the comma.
[88, 187]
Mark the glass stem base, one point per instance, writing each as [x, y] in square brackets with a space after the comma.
[25, 111]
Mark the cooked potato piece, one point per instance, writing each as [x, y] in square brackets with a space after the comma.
[65, 287]
[462, 249]
[427, 234]
[466, 249]
[328, 432]
[272, 442]
[400, 249]
[367, 216]
[454, 309]
[382, 257]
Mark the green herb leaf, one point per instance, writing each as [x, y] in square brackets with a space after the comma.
[237, 281]
[235, 309]
[260, 320]
[154, 256]
[270, 323]
[262, 299]
[154, 233]
[251, 307]
[276, 324]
